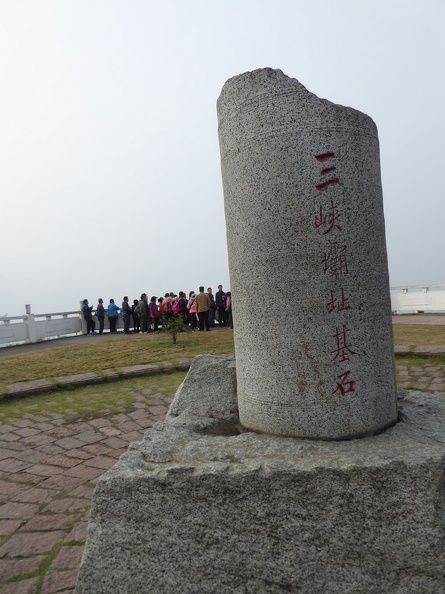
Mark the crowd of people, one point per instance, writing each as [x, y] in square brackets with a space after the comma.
[199, 311]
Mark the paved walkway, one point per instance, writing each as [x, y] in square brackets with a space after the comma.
[49, 467]
[48, 470]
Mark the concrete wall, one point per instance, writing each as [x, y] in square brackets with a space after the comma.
[418, 298]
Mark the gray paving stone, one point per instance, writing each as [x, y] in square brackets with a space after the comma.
[68, 443]
[68, 557]
[78, 532]
[59, 581]
[45, 470]
[6, 428]
[27, 586]
[88, 436]
[12, 568]
[84, 472]
[27, 431]
[34, 495]
[9, 526]
[40, 439]
[13, 465]
[9, 437]
[17, 511]
[48, 522]
[68, 505]
[33, 543]
[61, 482]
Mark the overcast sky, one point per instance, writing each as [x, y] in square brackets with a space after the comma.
[110, 177]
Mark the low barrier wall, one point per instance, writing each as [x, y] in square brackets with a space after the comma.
[31, 328]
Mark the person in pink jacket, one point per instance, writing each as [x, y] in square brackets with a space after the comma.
[229, 309]
[191, 306]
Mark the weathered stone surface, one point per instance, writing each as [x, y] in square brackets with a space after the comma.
[304, 215]
[209, 389]
[190, 510]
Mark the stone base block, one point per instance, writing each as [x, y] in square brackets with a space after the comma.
[203, 507]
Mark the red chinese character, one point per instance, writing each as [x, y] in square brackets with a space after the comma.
[344, 386]
[331, 182]
[325, 185]
[338, 303]
[325, 157]
[328, 220]
[343, 350]
[335, 261]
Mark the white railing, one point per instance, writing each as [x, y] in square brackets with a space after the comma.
[37, 327]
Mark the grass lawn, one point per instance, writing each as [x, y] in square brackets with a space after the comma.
[412, 335]
[141, 349]
[111, 354]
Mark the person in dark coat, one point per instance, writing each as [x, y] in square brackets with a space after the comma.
[220, 302]
[87, 312]
[100, 315]
[126, 314]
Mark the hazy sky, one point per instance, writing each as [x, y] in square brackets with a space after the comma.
[109, 160]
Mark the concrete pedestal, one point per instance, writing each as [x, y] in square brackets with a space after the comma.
[200, 507]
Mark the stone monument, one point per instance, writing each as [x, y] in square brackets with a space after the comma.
[307, 260]
[207, 504]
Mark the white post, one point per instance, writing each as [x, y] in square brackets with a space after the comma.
[29, 320]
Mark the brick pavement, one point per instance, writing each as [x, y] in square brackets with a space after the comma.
[48, 470]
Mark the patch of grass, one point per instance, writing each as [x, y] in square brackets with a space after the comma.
[111, 354]
[46, 563]
[93, 401]
[411, 335]
[410, 387]
[411, 358]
